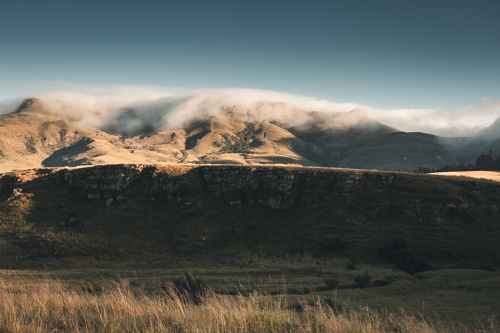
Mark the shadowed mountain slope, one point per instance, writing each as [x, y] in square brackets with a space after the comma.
[399, 150]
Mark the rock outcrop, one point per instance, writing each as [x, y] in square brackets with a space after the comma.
[273, 187]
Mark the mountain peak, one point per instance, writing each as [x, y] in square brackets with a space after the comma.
[33, 105]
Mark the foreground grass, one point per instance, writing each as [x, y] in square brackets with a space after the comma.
[51, 306]
[455, 295]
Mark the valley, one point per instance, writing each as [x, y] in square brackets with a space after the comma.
[300, 218]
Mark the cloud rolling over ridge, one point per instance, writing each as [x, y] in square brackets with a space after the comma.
[131, 108]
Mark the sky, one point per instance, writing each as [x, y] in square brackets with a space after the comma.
[389, 55]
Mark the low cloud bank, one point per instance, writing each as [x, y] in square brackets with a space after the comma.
[130, 108]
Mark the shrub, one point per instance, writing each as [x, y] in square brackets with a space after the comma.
[331, 283]
[362, 280]
[381, 282]
[30, 145]
[328, 247]
[7, 185]
[350, 265]
[424, 169]
[403, 257]
[240, 143]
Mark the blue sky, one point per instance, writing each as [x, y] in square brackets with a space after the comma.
[386, 54]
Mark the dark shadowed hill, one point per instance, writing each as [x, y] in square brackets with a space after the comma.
[216, 213]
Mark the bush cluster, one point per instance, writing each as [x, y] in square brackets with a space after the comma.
[403, 256]
[331, 283]
[363, 280]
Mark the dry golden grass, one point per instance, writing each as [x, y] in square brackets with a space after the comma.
[49, 306]
[490, 175]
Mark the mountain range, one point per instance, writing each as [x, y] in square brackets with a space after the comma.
[35, 136]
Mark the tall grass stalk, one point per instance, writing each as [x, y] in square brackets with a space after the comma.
[49, 306]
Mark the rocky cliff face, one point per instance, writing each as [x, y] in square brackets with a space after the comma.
[278, 186]
[273, 187]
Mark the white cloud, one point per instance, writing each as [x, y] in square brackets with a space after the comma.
[464, 122]
[164, 107]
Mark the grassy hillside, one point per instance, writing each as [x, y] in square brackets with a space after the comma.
[176, 214]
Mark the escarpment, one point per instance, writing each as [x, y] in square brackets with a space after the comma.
[121, 211]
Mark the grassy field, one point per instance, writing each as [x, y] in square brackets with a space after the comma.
[292, 294]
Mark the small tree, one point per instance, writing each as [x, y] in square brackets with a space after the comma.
[485, 162]
[496, 163]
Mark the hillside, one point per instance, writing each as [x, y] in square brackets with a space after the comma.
[34, 136]
[214, 213]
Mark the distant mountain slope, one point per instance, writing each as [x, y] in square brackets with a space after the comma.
[34, 136]
[467, 149]
[399, 151]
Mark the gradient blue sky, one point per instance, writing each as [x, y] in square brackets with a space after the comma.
[386, 54]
